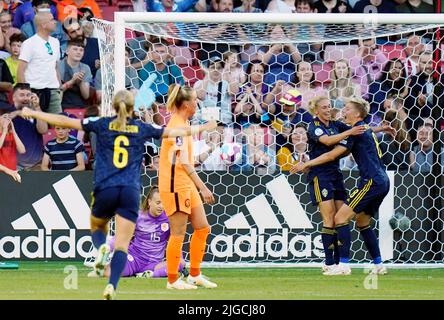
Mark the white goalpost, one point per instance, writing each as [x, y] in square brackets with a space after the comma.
[264, 216]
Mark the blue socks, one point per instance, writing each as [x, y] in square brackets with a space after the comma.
[328, 239]
[344, 241]
[336, 249]
[98, 238]
[371, 242]
[118, 263]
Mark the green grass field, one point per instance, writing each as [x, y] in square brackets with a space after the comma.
[45, 280]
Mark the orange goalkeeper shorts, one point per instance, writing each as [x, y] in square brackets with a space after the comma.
[182, 201]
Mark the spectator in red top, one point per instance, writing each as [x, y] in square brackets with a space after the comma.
[10, 142]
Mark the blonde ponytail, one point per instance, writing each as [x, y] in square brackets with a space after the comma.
[177, 95]
[173, 91]
[123, 104]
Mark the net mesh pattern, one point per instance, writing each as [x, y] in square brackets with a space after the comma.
[394, 67]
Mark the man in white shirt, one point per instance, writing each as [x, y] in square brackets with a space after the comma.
[38, 63]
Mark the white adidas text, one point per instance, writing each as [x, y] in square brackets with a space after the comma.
[44, 246]
[258, 246]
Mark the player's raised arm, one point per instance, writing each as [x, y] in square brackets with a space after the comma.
[54, 119]
[386, 129]
[187, 131]
[324, 158]
[335, 139]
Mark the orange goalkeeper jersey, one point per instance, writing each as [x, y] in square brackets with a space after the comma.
[172, 175]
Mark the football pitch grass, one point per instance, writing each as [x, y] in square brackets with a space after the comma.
[47, 281]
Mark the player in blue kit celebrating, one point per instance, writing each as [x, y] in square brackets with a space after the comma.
[326, 183]
[372, 188]
[119, 154]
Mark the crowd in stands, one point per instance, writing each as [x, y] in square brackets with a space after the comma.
[260, 94]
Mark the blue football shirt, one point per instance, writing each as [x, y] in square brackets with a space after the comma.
[316, 129]
[119, 154]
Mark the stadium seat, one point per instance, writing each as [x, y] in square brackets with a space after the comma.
[334, 53]
[393, 51]
[192, 73]
[78, 112]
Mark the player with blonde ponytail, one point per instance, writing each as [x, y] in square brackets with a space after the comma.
[179, 187]
[119, 154]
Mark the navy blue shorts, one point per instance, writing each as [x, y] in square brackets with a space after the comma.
[123, 201]
[368, 196]
[327, 188]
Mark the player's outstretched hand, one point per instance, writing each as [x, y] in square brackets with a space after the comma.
[207, 196]
[389, 130]
[26, 113]
[299, 167]
[357, 130]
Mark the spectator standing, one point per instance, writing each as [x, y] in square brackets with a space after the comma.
[75, 76]
[63, 153]
[29, 28]
[38, 63]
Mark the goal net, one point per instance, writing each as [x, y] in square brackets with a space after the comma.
[255, 74]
